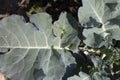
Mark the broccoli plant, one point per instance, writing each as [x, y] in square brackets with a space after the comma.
[88, 49]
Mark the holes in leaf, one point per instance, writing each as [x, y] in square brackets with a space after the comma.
[111, 6]
[35, 26]
[92, 23]
[4, 51]
[116, 43]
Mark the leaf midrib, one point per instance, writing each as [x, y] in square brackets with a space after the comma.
[27, 47]
[100, 19]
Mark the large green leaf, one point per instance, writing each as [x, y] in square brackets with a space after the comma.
[67, 29]
[81, 76]
[99, 76]
[33, 52]
[101, 21]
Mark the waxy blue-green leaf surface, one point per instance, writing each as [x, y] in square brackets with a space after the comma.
[66, 28]
[99, 76]
[32, 50]
[81, 76]
[101, 21]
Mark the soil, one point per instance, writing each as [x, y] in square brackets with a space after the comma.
[53, 7]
